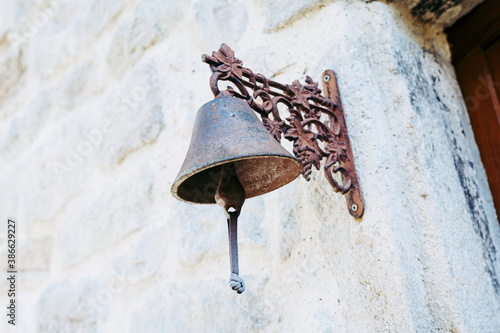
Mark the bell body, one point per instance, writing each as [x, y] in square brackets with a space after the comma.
[227, 130]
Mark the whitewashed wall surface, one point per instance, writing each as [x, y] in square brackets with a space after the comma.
[97, 103]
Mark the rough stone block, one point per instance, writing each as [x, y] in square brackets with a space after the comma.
[130, 117]
[151, 22]
[64, 307]
[12, 70]
[212, 17]
[157, 312]
[143, 258]
[101, 221]
[282, 12]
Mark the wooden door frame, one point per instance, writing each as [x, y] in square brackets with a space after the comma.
[477, 29]
[468, 39]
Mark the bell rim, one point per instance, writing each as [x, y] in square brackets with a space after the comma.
[179, 180]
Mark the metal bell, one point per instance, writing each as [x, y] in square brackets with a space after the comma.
[232, 157]
[227, 130]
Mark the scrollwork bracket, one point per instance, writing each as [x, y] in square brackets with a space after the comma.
[316, 124]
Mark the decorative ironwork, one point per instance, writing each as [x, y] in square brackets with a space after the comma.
[316, 124]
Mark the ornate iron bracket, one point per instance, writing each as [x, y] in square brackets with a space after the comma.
[316, 124]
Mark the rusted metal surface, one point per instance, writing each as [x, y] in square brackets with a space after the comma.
[226, 130]
[316, 124]
[346, 165]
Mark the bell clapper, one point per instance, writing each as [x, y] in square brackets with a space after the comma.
[230, 195]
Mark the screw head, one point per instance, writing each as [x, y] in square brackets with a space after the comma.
[326, 78]
[354, 207]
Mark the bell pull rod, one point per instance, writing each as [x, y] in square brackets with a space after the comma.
[235, 281]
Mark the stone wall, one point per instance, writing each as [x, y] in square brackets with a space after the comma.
[97, 103]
